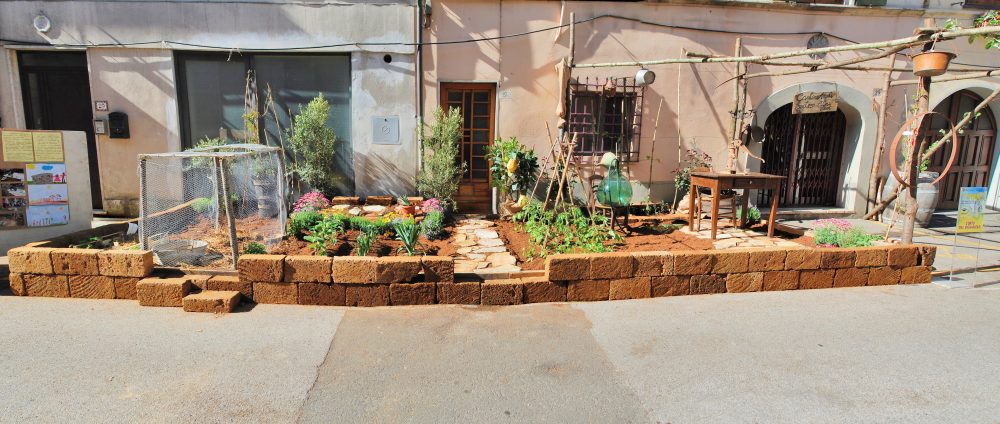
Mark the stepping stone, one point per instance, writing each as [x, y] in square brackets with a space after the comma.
[466, 243]
[476, 256]
[501, 259]
[490, 250]
[466, 268]
[354, 211]
[460, 237]
[376, 209]
[497, 272]
[340, 208]
[464, 250]
[219, 302]
[490, 242]
[487, 234]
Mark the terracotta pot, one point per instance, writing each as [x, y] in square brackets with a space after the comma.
[410, 210]
[931, 63]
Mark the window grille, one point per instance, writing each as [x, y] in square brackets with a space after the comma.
[606, 116]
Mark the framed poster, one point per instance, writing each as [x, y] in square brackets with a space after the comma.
[46, 173]
[971, 210]
[47, 194]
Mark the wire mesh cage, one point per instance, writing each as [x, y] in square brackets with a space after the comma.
[200, 208]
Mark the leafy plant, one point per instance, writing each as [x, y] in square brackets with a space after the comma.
[201, 204]
[990, 18]
[300, 222]
[753, 214]
[840, 233]
[433, 225]
[407, 231]
[316, 144]
[321, 236]
[442, 170]
[311, 201]
[513, 166]
[364, 243]
[93, 242]
[565, 232]
[254, 248]
[403, 201]
[682, 176]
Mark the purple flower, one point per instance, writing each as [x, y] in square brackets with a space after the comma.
[432, 205]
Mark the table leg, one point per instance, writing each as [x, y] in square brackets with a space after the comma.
[744, 204]
[774, 211]
[715, 210]
[691, 193]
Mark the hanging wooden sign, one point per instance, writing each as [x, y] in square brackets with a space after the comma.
[814, 102]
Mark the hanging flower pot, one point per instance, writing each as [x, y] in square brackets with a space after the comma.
[931, 63]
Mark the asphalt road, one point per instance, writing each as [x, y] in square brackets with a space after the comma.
[872, 354]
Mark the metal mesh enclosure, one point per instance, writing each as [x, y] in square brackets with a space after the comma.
[201, 208]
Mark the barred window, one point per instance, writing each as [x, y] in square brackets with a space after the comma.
[606, 115]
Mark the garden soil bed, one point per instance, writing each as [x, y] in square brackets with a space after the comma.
[384, 246]
[248, 230]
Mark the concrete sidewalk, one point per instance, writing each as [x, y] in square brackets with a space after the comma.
[869, 354]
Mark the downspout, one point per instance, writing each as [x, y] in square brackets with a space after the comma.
[420, 16]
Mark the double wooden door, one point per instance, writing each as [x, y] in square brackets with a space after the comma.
[975, 143]
[476, 102]
[805, 148]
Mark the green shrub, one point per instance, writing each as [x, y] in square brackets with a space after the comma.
[433, 225]
[441, 171]
[201, 204]
[508, 154]
[364, 244]
[407, 231]
[753, 215]
[565, 232]
[254, 248]
[302, 221]
[840, 233]
[316, 144]
[321, 236]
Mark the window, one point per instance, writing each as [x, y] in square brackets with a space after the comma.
[212, 88]
[606, 115]
[982, 4]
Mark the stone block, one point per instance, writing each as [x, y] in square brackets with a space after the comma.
[915, 275]
[927, 255]
[766, 260]
[366, 294]
[345, 200]
[411, 294]
[540, 290]
[230, 283]
[218, 302]
[277, 293]
[883, 276]
[693, 263]
[396, 269]
[730, 262]
[92, 286]
[46, 285]
[438, 269]
[904, 256]
[567, 267]
[670, 285]
[308, 269]
[588, 290]
[629, 288]
[261, 268]
[745, 282]
[612, 265]
[75, 261]
[837, 258]
[851, 277]
[816, 278]
[321, 294]
[708, 284]
[802, 259]
[379, 200]
[502, 292]
[870, 256]
[163, 291]
[651, 264]
[17, 284]
[781, 280]
[466, 293]
[125, 287]
[30, 260]
[125, 263]
[199, 282]
[353, 269]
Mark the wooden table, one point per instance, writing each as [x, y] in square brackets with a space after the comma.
[718, 181]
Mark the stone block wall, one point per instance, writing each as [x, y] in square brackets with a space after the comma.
[80, 273]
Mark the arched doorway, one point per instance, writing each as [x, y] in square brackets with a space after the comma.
[807, 149]
[976, 144]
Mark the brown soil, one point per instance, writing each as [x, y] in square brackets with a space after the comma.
[248, 230]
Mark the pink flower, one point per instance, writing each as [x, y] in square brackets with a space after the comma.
[432, 205]
[311, 201]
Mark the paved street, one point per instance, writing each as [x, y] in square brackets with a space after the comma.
[871, 354]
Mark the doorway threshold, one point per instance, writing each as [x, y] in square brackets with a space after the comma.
[819, 212]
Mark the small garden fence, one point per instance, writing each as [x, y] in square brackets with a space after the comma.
[200, 207]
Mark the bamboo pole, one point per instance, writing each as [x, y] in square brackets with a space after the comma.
[924, 37]
[890, 52]
[562, 180]
[880, 135]
[545, 163]
[981, 74]
[736, 91]
[810, 64]
[572, 39]
[556, 150]
[652, 147]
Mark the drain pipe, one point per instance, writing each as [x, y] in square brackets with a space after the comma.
[420, 20]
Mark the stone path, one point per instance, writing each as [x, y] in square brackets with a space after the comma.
[480, 248]
[729, 237]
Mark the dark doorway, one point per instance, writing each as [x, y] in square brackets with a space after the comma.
[56, 92]
[975, 143]
[475, 101]
[806, 148]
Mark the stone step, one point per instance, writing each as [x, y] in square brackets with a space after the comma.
[219, 302]
[162, 291]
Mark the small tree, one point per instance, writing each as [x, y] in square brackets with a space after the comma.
[442, 170]
[315, 143]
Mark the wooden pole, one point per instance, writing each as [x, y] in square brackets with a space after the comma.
[880, 135]
[557, 156]
[562, 180]
[889, 52]
[913, 163]
[652, 147]
[545, 163]
[572, 39]
[981, 74]
[814, 63]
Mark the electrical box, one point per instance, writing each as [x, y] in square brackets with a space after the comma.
[385, 130]
[118, 125]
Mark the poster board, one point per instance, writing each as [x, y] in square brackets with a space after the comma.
[33, 190]
[971, 210]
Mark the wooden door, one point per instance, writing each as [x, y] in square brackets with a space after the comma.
[476, 101]
[975, 143]
[807, 149]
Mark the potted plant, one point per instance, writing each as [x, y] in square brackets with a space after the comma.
[513, 167]
[931, 63]
[405, 207]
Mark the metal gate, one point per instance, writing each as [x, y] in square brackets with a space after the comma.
[807, 149]
[976, 142]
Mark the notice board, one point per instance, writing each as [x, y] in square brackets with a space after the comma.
[33, 190]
